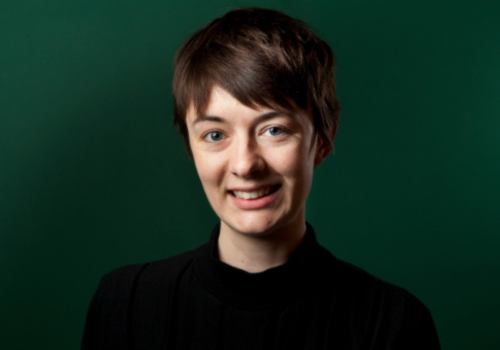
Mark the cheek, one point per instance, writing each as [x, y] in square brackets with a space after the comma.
[210, 170]
[295, 165]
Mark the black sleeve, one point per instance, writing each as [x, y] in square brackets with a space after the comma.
[417, 331]
[108, 314]
[424, 335]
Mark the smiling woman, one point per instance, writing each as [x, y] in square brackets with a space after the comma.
[255, 100]
[256, 181]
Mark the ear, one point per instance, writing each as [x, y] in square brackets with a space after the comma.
[324, 147]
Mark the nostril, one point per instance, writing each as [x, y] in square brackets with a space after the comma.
[245, 166]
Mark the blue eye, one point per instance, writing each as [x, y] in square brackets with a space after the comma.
[274, 131]
[213, 136]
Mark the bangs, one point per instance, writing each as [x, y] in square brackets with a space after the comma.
[246, 74]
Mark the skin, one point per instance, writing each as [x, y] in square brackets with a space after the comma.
[237, 147]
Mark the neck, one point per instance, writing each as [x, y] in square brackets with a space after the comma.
[257, 253]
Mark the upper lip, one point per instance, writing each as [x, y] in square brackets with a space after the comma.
[250, 189]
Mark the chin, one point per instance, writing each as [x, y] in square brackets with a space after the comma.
[252, 225]
[256, 223]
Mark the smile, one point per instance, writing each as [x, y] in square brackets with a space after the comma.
[256, 198]
[261, 192]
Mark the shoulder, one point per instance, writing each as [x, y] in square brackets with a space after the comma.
[126, 277]
[362, 287]
[391, 314]
[121, 285]
[109, 313]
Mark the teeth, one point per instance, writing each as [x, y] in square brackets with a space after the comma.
[254, 194]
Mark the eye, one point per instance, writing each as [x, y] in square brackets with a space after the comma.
[274, 131]
[213, 136]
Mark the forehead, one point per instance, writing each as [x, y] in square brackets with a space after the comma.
[220, 99]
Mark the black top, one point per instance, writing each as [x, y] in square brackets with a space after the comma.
[195, 301]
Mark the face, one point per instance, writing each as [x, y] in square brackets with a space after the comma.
[255, 165]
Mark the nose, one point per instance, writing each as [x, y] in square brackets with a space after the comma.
[246, 158]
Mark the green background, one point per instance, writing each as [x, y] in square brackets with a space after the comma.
[93, 176]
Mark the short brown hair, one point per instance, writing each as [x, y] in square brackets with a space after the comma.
[263, 58]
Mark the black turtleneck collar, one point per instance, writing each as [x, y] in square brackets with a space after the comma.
[264, 289]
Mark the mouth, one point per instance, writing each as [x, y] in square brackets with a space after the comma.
[255, 194]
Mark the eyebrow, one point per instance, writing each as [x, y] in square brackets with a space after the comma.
[259, 119]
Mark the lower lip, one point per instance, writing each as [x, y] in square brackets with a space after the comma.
[256, 203]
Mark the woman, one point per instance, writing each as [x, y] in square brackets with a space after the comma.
[255, 101]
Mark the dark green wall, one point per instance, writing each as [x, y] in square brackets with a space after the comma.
[93, 176]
